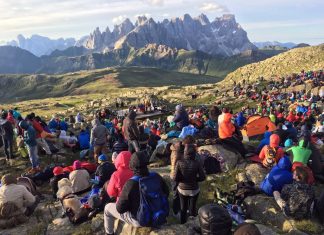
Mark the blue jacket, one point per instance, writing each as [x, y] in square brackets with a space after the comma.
[291, 132]
[84, 140]
[30, 136]
[279, 176]
[64, 126]
[240, 120]
[265, 141]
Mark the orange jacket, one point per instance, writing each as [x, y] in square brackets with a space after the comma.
[274, 143]
[226, 127]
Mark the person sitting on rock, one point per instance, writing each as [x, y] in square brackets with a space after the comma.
[271, 154]
[58, 175]
[297, 199]
[121, 176]
[264, 141]
[279, 176]
[79, 178]
[104, 171]
[301, 153]
[128, 203]
[10, 192]
[188, 172]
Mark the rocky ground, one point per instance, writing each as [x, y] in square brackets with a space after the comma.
[262, 209]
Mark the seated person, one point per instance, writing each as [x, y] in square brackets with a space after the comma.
[119, 177]
[264, 141]
[24, 201]
[104, 171]
[296, 199]
[128, 203]
[58, 175]
[279, 176]
[79, 178]
[120, 145]
[301, 153]
[271, 154]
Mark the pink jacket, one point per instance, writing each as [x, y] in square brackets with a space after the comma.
[119, 177]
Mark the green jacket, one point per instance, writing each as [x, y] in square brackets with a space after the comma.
[300, 153]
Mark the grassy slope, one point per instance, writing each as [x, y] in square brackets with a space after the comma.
[28, 87]
[308, 58]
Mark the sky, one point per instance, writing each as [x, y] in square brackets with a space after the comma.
[264, 20]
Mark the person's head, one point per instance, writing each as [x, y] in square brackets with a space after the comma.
[114, 156]
[4, 114]
[179, 107]
[58, 170]
[23, 125]
[190, 151]
[8, 179]
[288, 143]
[102, 158]
[300, 175]
[76, 165]
[214, 219]
[138, 163]
[247, 229]
[122, 160]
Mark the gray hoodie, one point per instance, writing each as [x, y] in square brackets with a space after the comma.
[99, 133]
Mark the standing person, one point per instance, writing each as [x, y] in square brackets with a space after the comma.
[7, 133]
[30, 141]
[99, 138]
[131, 132]
[188, 173]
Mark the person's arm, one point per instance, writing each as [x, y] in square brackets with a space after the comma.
[176, 175]
[177, 118]
[111, 189]
[262, 153]
[123, 204]
[201, 173]
[92, 137]
[281, 203]
[29, 199]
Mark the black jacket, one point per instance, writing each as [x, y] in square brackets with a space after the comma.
[129, 199]
[120, 146]
[104, 172]
[54, 181]
[131, 131]
[188, 173]
[6, 129]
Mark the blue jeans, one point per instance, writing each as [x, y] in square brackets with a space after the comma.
[8, 142]
[33, 155]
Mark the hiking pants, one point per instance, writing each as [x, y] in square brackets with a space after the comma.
[8, 142]
[111, 213]
[235, 144]
[176, 198]
[133, 146]
[43, 144]
[99, 149]
[33, 155]
[185, 203]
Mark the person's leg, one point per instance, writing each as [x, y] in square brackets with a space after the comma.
[6, 147]
[192, 205]
[32, 151]
[43, 144]
[176, 198]
[97, 151]
[10, 142]
[184, 207]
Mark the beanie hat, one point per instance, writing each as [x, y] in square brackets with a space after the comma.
[102, 158]
[76, 165]
[8, 179]
[58, 170]
[288, 143]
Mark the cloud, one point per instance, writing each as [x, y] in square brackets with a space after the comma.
[119, 19]
[147, 15]
[213, 7]
[155, 2]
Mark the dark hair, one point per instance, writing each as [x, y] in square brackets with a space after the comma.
[302, 174]
[189, 139]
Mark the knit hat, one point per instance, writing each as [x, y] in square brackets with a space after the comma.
[288, 143]
[58, 170]
[102, 158]
[76, 165]
[8, 179]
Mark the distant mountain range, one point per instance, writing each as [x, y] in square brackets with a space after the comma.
[288, 45]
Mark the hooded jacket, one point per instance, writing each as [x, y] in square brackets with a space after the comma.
[84, 140]
[6, 129]
[225, 126]
[274, 143]
[265, 141]
[291, 117]
[29, 134]
[99, 133]
[104, 172]
[131, 131]
[188, 172]
[301, 154]
[119, 177]
[80, 180]
[129, 199]
[279, 175]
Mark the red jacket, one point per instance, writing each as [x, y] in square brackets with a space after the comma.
[274, 143]
[121, 176]
[291, 117]
[225, 126]
[38, 128]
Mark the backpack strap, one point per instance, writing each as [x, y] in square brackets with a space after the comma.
[137, 178]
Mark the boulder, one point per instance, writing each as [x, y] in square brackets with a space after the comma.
[264, 230]
[256, 173]
[266, 211]
[230, 157]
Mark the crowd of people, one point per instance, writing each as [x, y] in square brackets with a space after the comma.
[112, 174]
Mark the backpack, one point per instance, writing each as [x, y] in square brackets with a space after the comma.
[154, 205]
[270, 157]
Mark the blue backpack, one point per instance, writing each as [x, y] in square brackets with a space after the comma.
[154, 204]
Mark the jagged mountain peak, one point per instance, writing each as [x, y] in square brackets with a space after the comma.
[203, 19]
